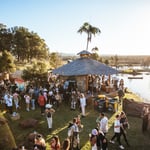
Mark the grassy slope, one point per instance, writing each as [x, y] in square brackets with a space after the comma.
[62, 117]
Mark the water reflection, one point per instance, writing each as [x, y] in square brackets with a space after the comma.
[140, 87]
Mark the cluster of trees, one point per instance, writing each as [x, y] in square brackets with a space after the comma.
[19, 45]
[22, 44]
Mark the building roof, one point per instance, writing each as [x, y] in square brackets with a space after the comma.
[84, 66]
[84, 52]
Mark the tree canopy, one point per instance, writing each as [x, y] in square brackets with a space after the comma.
[18, 44]
[23, 44]
[89, 30]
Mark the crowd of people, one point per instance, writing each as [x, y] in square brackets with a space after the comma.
[49, 98]
[71, 142]
[97, 138]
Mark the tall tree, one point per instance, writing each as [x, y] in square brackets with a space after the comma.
[89, 30]
[6, 38]
[20, 43]
[28, 45]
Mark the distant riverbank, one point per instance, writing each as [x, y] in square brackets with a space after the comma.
[140, 87]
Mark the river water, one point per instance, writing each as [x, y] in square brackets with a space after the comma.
[141, 87]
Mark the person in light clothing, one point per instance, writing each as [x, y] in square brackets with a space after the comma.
[16, 100]
[82, 104]
[103, 123]
[27, 101]
[75, 139]
[117, 126]
[49, 111]
[9, 103]
[93, 139]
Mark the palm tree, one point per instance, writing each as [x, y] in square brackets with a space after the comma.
[95, 49]
[89, 29]
[95, 54]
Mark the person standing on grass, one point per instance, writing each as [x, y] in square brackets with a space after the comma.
[66, 144]
[121, 91]
[124, 126]
[82, 104]
[75, 139]
[144, 116]
[27, 101]
[49, 112]
[103, 123]
[41, 102]
[57, 99]
[9, 103]
[117, 126]
[80, 125]
[102, 142]
[93, 139]
[5, 98]
[16, 100]
[31, 93]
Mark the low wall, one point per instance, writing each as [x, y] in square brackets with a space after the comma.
[133, 108]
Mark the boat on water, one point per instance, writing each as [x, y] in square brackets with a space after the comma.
[134, 77]
[148, 73]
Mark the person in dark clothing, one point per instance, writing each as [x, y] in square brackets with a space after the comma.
[102, 142]
[144, 116]
[124, 126]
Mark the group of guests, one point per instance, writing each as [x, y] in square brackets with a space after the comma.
[45, 99]
[98, 136]
[40, 143]
[71, 142]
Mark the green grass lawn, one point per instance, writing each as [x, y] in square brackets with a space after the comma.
[64, 115]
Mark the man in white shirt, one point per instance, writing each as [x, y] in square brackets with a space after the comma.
[117, 126]
[103, 124]
[75, 140]
[9, 103]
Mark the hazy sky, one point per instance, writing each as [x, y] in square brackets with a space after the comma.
[124, 24]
